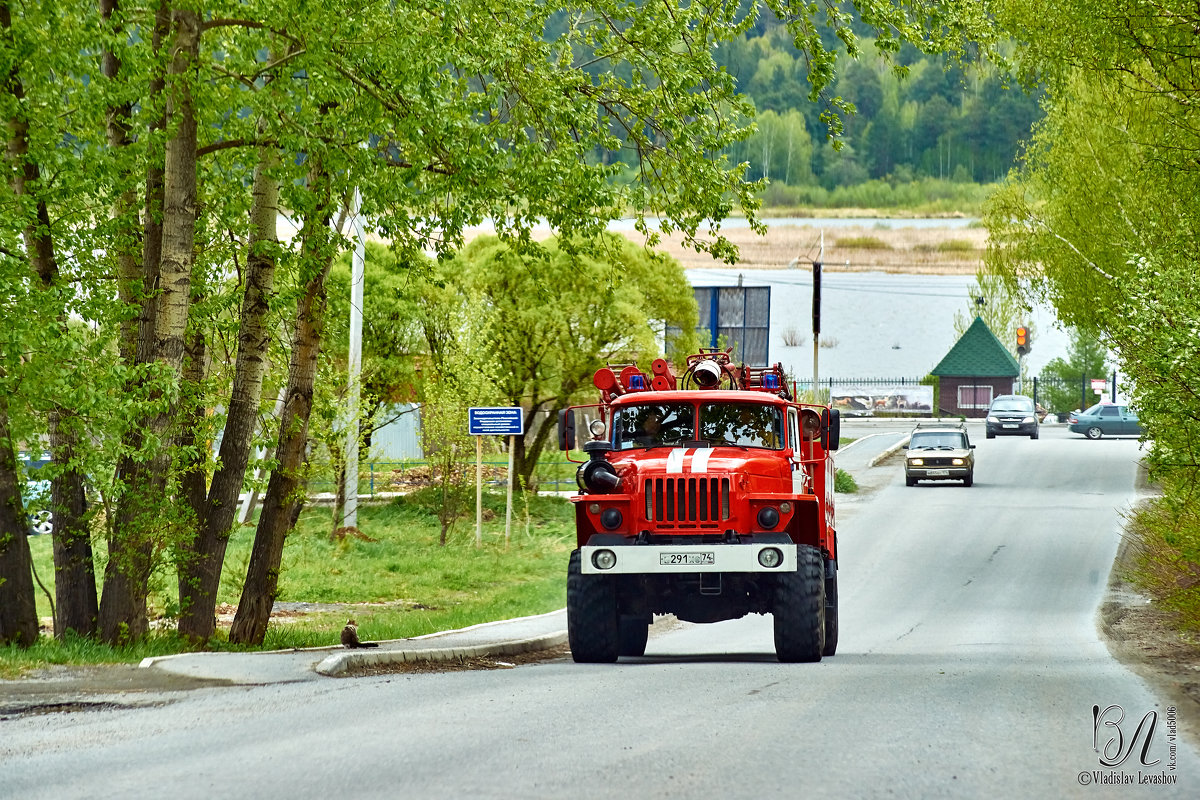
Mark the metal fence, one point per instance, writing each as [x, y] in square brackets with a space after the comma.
[1062, 395]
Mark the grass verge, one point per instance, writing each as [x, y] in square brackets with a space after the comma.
[397, 583]
[1166, 538]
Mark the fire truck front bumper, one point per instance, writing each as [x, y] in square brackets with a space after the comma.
[666, 559]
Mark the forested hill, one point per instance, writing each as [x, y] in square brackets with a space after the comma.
[937, 122]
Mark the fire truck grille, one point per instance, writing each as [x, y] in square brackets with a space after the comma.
[687, 499]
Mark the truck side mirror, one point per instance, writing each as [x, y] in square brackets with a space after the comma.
[831, 429]
[566, 429]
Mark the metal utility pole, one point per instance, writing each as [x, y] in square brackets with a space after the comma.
[816, 312]
[350, 518]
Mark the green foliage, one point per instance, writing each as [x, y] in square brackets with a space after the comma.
[1085, 359]
[1167, 535]
[929, 196]
[552, 314]
[1101, 218]
[916, 115]
[465, 374]
[534, 112]
[844, 483]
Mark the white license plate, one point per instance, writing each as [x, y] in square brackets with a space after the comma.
[685, 559]
[1011, 426]
[937, 473]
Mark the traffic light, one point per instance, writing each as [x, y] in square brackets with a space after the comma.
[1022, 340]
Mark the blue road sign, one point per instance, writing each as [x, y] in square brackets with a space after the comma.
[502, 421]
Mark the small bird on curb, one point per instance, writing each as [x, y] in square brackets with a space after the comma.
[350, 636]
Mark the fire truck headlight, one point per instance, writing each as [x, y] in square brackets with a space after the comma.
[768, 517]
[611, 519]
[604, 559]
[770, 557]
[596, 426]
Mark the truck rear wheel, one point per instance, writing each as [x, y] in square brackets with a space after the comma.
[634, 633]
[831, 616]
[799, 608]
[592, 621]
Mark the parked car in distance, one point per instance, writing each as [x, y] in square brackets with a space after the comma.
[1012, 414]
[939, 451]
[1105, 419]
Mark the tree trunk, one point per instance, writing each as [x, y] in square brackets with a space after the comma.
[283, 501]
[132, 549]
[528, 448]
[18, 612]
[337, 459]
[129, 268]
[75, 596]
[76, 582]
[200, 575]
[193, 468]
[78, 607]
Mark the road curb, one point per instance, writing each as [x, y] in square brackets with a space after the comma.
[340, 663]
[886, 454]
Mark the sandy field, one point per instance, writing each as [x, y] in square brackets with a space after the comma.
[851, 249]
[866, 248]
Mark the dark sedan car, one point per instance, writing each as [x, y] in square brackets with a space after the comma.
[1012, 414]
[1105, 419]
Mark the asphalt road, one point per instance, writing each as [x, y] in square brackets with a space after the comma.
[969, 665]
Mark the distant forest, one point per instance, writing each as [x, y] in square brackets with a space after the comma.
[937, 122]
[912, 140]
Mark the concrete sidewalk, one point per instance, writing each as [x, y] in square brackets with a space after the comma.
[506, 637]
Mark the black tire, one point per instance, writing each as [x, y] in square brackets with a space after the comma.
[831, 616]
[969, 480]
[1034, 435]
[799, 608]
[1093, 432]
[991, 435]
[592, 622]
[634, 633]
[910, 481]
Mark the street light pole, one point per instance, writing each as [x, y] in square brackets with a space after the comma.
[350, 518]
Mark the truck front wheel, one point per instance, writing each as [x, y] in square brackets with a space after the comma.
[593, 629]
[831, 616]
[799, 608]
[635, 632]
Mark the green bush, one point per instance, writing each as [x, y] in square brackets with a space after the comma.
[844, 483]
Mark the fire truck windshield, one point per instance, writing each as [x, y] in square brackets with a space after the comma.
[741, 424]
[721, 424]
[657, 425]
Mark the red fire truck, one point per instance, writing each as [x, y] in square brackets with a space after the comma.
[707, 495]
